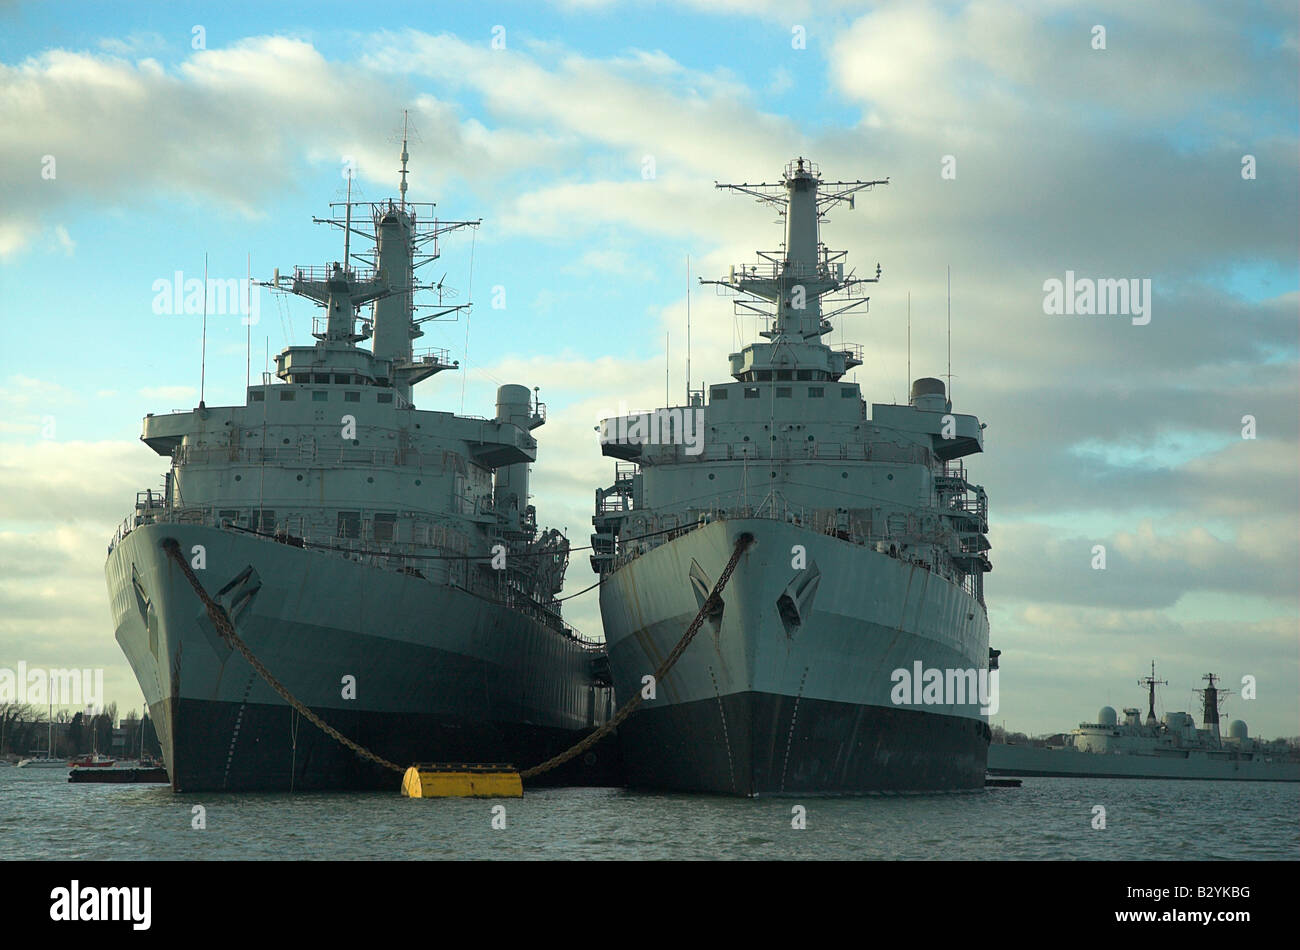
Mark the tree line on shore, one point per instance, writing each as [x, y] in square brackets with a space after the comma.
[25, 729]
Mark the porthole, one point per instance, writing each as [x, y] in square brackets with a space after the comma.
[711, 476]
[417, 481]
[370, 478]
[238, 477]
[356, 441]
[890, 476]
[844, 474]
[299, 478]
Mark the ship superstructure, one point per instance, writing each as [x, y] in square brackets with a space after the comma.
[382, 561]
[869, 554]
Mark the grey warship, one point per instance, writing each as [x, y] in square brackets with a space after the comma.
[868, 556]
[382, 561]
[1170, 747]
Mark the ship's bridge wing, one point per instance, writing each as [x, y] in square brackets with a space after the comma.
[493, 444]
[164, 433]
[952, 434]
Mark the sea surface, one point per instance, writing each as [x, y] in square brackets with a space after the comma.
[42, 816]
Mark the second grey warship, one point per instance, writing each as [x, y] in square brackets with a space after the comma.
[1170, 747]
[382, 561]
[868, 556]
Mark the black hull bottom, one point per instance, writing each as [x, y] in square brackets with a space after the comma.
[762, 744]
[232, 747]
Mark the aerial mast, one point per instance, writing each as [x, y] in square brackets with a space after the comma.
[402, 187]
[1210, 710]
[1150, 682]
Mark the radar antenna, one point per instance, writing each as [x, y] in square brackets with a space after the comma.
[1150, 682]
[1213, 697]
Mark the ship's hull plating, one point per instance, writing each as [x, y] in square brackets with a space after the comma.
[789, 690]
[1030, 761]
[411, 670]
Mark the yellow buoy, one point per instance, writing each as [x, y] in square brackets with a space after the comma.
[461, 780]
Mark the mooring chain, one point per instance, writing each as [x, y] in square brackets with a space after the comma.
[227, 631]
[742, 543]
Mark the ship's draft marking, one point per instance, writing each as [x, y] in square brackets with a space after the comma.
[731, 768]
[794, 716]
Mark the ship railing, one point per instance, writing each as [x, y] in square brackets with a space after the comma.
[851, 351]
[327, 272]
[772, 269]
[906, 535]
[296, 455]
[793, 451]
[430, 356]
[392, 554]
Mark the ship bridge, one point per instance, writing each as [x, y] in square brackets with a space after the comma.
[791, 437]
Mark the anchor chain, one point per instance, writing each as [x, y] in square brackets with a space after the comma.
[742, 543]
[227, 631]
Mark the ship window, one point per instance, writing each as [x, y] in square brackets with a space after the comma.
[385, 397]
[764, 375]
[349, 524]
[286, 395]
[751, 392]
[816, 392]
[847, 392]
[717, 393]
[230, 516]
[805, 374]
[320, 395]
[256, 396]
[385, 525]
[342, 378]
[352, 397]
[783, 374]
[266, 520]
[783, 392]
[321, 378]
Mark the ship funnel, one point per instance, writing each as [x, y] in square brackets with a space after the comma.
[929, 394]
[510, 488]
[392, 335]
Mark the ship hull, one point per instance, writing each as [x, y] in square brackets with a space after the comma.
[410, 669]
[1030, 761]
[789, 690]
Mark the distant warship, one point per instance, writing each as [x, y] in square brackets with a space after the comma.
[383, 562]
[869, 552]
[1168, 748]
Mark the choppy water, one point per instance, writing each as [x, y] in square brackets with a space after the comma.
[43, 816]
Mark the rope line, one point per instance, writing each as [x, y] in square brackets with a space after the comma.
[227, 632]
[742, 543]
